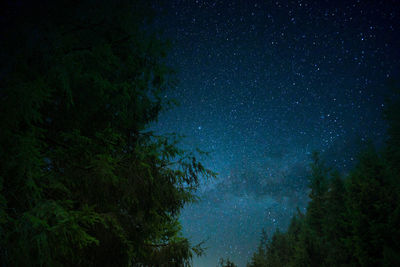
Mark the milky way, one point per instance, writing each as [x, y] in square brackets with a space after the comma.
[262, 85]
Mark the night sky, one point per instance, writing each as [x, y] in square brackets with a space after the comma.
[262, 84]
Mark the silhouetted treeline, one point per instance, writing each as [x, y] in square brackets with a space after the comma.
[351, 220]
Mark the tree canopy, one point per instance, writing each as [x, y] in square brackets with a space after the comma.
[82, 182]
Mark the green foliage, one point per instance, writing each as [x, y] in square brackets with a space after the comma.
[371, 200]
[82, 183]
[336, 223]
[259, 256]
[350, 221]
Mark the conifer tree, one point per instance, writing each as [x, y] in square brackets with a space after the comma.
[310, 250]
[82, 182]
[319, 186]
[259, 258]
[335, 224]
[369, 203]
[392, 158]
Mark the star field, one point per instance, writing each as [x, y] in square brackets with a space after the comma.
[262, 85]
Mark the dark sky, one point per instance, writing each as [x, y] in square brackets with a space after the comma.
[262, 85]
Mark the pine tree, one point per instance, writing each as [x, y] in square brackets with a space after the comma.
[319, 186]
[391, 251]
[259, 258]
[82, 182]
[279, 250]
[370, 202]
[335, 224]
[311, 250]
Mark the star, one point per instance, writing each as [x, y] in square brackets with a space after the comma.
[268, 97]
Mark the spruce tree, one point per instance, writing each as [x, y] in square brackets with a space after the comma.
[310, 250]
[82, 180]
[370, 202]
[259, 258]
[316, 209]
[335, 223]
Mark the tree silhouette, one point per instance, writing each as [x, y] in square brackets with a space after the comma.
[82, 182]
